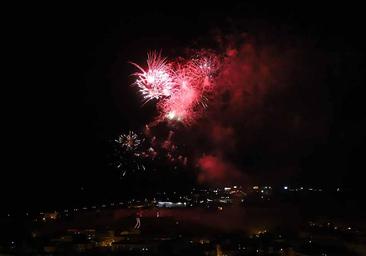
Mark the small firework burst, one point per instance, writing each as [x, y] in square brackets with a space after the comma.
[134, 155]
[129, 141]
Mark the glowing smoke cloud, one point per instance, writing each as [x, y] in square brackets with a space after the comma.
[180, 87]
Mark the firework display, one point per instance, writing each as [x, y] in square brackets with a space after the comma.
[180, 87]
[129, 141]
[157, 81]
[181, 90]
[134, 152]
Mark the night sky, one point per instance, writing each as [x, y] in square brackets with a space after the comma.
[67, 94]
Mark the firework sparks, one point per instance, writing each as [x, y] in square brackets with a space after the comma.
[157, 81]
[126, 155]
[131, 154]
[179, 86]
[129, 141]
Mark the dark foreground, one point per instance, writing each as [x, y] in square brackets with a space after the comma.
[224, 224]
[233, 230]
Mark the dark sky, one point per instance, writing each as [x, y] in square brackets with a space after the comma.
[67, 91]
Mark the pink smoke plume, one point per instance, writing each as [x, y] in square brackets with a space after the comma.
[215, 170]
[239, 104]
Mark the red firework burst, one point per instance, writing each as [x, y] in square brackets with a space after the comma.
[179, 86]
